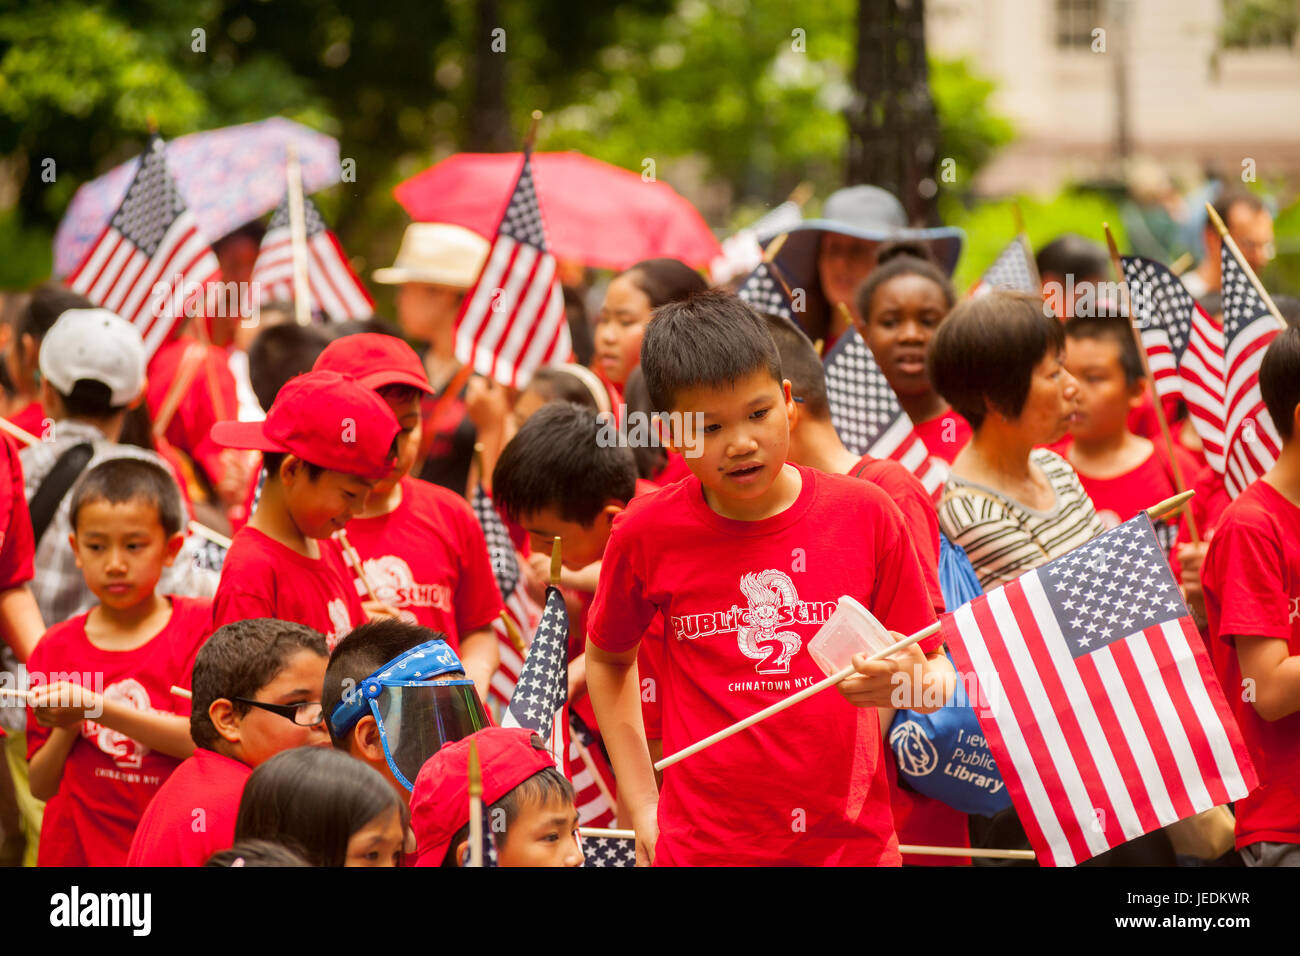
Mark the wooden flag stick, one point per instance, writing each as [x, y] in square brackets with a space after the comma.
[774, 247]
[355, 560]
[530, 140]
[556, 564]
[512, 632]
[597, 833]
[1179, 484]
[801, 194]
[1182, 264]
[1017, 217]
[1245, 266]
[475, 807]
[298, 237]
[1155, 511]
[15, 692]
[203, 531]
[793, 699]
[186, 371]
[24, 436]
[182, 692]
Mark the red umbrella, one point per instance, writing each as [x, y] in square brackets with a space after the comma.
[595, 213]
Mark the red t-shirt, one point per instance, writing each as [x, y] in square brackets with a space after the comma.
[1120, 498]
[17, 547]
[31, 419]
[209, 399]
[906, 491]
[262, 578]
[740, 601]
[193, 816]
[944, 435]
[1252, 587]
[428, 559]
[108, 778]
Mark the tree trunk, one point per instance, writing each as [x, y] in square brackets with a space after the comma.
[893, 127]
[489, 118]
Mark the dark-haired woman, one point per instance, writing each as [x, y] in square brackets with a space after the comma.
[901, 305]
[631, 298]
[330, 808]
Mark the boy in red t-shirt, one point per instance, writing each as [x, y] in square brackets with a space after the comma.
[558, 478]
[805, 786]
[1252, 598]
[103, 738]
[1121, 472]
[257, 691]
[421, 546]
[325, 442]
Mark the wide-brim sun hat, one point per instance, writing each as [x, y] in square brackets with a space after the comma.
[863, 212]
[437, 253]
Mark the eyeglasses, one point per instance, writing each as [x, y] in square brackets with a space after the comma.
[305, 714]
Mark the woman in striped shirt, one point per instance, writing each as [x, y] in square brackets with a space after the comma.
[1011, 504]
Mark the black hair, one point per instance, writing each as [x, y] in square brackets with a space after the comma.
[541, 788]
[557, 460]
[904, 258]
[362, 652]
[48, 301]
[983, 355]
[1235, 196]
[272, 460]
[712, 339]
[556, 384]
[256, 853]
[238, 660]
[89, 399]
[374, 325]
[665, 280]
[400, 392]
[651, 458]
[1111, 328]
[119, 480]
[1279, 380]
[801, 365]
[312, 800]
[580, 334]
[253, 231]
[1070, 254]
[280, 352]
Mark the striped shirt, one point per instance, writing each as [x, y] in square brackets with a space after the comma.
[1003, 538]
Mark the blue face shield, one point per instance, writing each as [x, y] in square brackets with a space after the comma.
[416, 707]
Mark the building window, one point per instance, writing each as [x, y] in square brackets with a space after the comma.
[1075, 21]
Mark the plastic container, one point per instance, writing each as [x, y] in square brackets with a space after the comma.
[852, 629]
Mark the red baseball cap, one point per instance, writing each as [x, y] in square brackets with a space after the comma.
[440, 800]
[375, 360]
[324, 418]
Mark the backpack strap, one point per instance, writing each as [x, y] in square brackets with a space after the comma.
[49, 495]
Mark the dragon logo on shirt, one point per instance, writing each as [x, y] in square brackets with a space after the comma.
[127, 753]
[395, 584]
[340, 621]
[767, 591]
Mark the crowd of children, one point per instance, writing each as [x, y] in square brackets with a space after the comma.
[316, 697]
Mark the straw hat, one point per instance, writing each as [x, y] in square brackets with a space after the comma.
[438, 253]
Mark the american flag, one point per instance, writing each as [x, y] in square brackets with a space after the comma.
[764, 293]
[1098, 698]
[152, 242]
[335, 289]
[540, 700]
[1249, 326]
[520, 607]
[608, 851]
[586, 762]
[1013, 269]
[513, 319]
[867, 416]
[1184, 349]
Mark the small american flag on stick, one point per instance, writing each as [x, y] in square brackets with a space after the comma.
[867, 415]
[1184, 348]
[542, 693]
[764, 293]
[1249, 325]
[513, 319]
[151, 264]
[335, 289]
[1103, 711]
[1013, 269]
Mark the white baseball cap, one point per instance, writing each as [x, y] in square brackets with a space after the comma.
[94, 344]
[438, 253]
